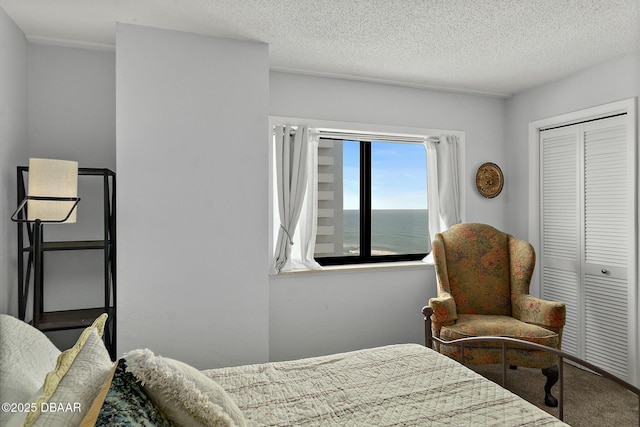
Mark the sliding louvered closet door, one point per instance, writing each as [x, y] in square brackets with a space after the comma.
[588, 244]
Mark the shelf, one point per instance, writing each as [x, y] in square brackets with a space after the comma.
[81, 171]
[31, 275]
[70, 319]
[95, 172]
[70, 245]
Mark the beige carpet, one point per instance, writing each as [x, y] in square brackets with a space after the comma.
[589, 399]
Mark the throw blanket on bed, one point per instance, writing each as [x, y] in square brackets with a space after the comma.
[396, 385]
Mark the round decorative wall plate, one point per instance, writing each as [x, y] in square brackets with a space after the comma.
[489, 180]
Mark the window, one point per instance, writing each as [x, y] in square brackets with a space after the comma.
[372, 201]
[346, 197]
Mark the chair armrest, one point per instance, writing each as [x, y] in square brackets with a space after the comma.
[534, 310]
[444, 308]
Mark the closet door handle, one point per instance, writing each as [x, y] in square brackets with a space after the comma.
[604, 271]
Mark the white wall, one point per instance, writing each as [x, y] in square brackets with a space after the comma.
[72, 105]
[58, 103]
[185, 288]
[13, 150]
[481, 118]
[187, 291]
[326, 312]
[608, 82]
[192, 126]
[72, 116]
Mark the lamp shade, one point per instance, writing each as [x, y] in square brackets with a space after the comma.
[52, 178]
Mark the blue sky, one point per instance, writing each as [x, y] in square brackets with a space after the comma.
[398, 179]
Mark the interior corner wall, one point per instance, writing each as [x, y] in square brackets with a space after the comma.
[72, 105]
[605, 83]
[192, 138]
[13, 150]
[72, 108]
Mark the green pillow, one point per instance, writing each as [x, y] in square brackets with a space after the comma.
[127, 404]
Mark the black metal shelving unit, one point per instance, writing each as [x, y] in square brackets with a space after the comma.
[28, 278]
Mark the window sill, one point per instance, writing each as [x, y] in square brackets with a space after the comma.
[359, 267]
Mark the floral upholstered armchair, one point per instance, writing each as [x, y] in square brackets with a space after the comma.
[483, 279]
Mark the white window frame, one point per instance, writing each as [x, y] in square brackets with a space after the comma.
[377, 129]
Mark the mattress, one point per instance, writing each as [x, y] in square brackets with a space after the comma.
[398, 385]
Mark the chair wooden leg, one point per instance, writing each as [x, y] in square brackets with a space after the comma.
[427, 312]
[552, 378]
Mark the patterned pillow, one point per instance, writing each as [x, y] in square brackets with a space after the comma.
[123, 402]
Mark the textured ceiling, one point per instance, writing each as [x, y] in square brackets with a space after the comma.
[497, 47]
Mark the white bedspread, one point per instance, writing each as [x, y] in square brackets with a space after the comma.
[399, 385]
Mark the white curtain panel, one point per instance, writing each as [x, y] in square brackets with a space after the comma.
[308, 222]
[294, 155]
[433, 201]
[448, 185]
[291, 177]
[443, 188]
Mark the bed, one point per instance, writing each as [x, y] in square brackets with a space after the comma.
[395, 385]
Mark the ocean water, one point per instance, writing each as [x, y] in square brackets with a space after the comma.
[392, 231]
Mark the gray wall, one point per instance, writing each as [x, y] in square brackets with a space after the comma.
[13, 150]
[58, 103]
[72, 116]
[605, 83]
[480, 117]
[192, 147]
[326, 312]
[192, 126]
[608, 82]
